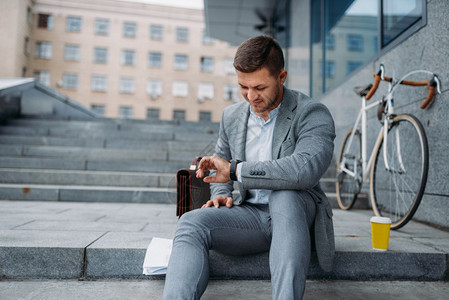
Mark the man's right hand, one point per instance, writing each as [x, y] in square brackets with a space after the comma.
[219, 201]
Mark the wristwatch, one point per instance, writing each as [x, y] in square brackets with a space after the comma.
[234, 163]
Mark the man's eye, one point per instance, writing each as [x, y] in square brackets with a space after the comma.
[260, 88]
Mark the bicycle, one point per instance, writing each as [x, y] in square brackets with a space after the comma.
[399, 162]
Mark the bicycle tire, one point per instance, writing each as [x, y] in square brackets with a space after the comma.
[397, 193]
[347, 187]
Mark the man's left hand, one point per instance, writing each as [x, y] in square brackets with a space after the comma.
[214, 163]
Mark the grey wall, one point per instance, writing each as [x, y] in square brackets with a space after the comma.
[426, 49]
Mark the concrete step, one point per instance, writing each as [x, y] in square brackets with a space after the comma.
[158, 134]
[85, 193]
[327, 184]
[94, 178]
[92, 165]
[42, 240]
[50, 141]
[362, 201]
[127, 143]
[113, 124]
[86, 153]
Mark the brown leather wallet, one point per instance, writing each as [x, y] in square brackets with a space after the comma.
[191, 192]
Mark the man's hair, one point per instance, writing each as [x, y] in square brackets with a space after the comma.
[258, 52]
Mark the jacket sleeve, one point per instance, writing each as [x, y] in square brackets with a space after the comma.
[304, 156]
[222, 150]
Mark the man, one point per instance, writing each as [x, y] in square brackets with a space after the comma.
[276, 144]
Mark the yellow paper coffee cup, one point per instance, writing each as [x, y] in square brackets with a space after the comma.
[380, 233]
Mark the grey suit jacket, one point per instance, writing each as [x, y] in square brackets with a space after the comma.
[302, 151]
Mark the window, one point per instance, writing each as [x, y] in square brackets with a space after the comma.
[45, 21]
[182, 34]
[155, 59]
[42, 50]
[125, 112]
[102, 26]
[352, 66]
[330, 42]
[354, 42]
[181, 62]
[205, 91]
[72, 52]
[99, 83]
[154, 88]
[180, 89]
[206, 39]
[73, 24]
[207, 64]
[127, 85]
[26, 46]
[400, 16]
[179, 115]
[43, 77]
[229, 66]
[329, 69]
[231, 93]
[205, 116]
[152, 113]
[70, 81]
[29, 15]
[156, 32]
[98, 109]
[100, 55]
[129, 29]
[128, 57]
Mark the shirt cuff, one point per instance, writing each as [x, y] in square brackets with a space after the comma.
[239, 172]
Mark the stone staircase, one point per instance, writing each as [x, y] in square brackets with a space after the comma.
[100, 160]
[63, 171]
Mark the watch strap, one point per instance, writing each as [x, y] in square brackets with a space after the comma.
[234, 163]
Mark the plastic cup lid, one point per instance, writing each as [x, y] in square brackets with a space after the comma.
[381, 220]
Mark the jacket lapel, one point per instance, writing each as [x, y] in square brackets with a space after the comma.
[241, 125]
[283, 121]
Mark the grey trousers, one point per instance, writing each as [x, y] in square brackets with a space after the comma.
[282, 227]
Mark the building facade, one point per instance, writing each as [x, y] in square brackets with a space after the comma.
[123, 59]
[333, 46]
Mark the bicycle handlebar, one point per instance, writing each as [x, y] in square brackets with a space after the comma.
[431, 84]
[374, 87]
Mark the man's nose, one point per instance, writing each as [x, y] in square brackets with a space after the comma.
[252, 95]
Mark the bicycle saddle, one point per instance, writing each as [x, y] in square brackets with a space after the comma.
[363, 90]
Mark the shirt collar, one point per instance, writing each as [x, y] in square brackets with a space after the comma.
[272, 115]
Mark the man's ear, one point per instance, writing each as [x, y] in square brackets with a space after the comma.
[283, 76]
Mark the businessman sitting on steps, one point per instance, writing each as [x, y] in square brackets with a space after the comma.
[276, 145]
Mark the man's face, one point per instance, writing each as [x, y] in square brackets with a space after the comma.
[262, 90]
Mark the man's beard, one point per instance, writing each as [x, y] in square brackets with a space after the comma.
[271, 103]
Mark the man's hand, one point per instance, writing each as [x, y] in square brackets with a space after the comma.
[219, 201]
[214, 163]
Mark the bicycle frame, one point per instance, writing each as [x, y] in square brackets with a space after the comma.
[361, 118]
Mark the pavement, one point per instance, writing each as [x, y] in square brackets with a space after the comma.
[220, 290]
[48, 247]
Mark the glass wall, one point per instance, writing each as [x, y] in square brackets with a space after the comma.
[398, 16]
[344, 37]
[346, 34]
[298, 54]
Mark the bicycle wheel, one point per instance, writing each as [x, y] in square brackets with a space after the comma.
[349, 171]
[397, 192]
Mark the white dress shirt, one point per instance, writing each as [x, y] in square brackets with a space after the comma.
[259, 141]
